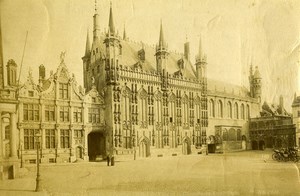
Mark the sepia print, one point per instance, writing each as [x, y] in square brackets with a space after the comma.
[149, 97]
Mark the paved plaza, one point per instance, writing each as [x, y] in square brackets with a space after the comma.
[238, 173]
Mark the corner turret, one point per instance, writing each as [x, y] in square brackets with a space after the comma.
[161, 52]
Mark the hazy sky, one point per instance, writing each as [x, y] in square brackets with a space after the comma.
[234, 33]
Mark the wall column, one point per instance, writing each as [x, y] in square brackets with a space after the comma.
[13, 135]
[1, 134]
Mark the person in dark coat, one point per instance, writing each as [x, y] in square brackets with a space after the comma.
[112, 160]
[108, 159]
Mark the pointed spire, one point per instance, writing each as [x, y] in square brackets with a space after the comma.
[200, 48]
[161, 42]
[96, 30]
[124, 34]
[88, 45]
[96, 11]
[111, 25]
[1, 59]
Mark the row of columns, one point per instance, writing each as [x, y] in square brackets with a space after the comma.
[12, 132]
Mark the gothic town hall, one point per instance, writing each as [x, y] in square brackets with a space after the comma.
[137, 99]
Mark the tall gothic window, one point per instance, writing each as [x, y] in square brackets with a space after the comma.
[191, 109]
[247, 112]
[229, 110]
[211, 108]
[220, 109]
[185, 109]
[150, 106]
[178, 108]
[236, 111]
[143, 106]
[242, 111]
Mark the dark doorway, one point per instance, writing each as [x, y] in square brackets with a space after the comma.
[96, 146]
[79, 152]
[261, 145]
[144, 148]
[186, 147]
[254, 145]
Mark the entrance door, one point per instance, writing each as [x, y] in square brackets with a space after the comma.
[96, 145]
[261, 145]
[254, 145]
[186, 147]
[79, 152]
[144, 148]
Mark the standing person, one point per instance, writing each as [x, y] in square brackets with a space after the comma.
[108, 159]
[112, 160]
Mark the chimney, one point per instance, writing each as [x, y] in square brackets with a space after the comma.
[281, 103]
[187, 50]
[42, 72]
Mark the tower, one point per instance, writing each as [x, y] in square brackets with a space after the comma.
[42, 73]
[187, 50]
[113, 51]
[200, 62]
[96, 29]
[112, 92]
[255, 83]
[161, 52]
[86, 61]
[11, 73]
[1, 60]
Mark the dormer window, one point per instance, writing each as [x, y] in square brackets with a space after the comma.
[63, 91]
[141, 54]
[94, 100]
[30, 93]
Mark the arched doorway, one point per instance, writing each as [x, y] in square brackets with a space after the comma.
[96, 145]
[254, 145]
[79, 152]
[244, 142]
[261, 145]
[186, 146]
[144, 148]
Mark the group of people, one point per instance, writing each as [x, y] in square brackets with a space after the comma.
[110, 160]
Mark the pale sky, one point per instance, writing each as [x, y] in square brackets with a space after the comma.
[234, 33]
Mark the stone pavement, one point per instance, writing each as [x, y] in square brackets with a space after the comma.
[239, 173]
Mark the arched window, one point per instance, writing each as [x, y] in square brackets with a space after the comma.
[239, 135]
[242, 111]
[231, 135]
[211, 108]
[229, 110]
[220, 109]
[247, 112]
[225, 135]
[236, 111]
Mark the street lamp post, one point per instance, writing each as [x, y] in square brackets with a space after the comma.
[38, 187]
[21, 151]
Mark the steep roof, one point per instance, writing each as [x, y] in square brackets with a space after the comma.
[223, 87]
[130, 58]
